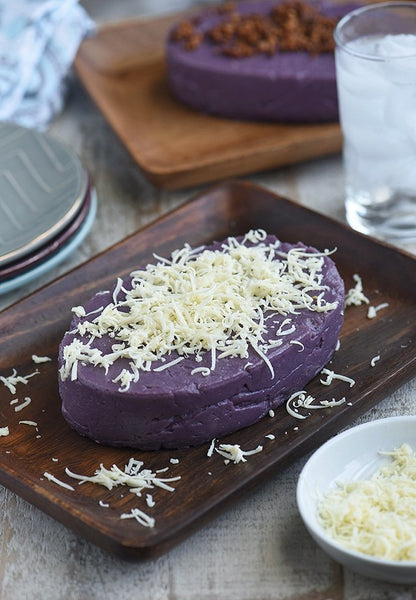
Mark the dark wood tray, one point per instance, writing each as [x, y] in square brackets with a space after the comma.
[123, 69]
[35, 326]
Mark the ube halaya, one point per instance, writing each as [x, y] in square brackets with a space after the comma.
[258, 60]
[200, 344]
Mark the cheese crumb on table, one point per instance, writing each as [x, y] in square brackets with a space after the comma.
[134, 476]
[355, 296]
[233, 452]
[40, 359]
[12, 380]
[374, 360]
[331, 376]
[23, 405]
[140, 516]
[376, 516]
[373, 310]
[302, 399]
[54, 479]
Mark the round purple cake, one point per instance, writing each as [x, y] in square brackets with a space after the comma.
[114, 392]
[278, 85]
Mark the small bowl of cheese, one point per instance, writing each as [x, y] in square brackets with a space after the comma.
[357, 497]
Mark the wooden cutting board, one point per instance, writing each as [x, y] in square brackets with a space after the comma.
[123, 69]
[44, 443]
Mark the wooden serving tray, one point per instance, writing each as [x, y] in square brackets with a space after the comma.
[123, 69]
[36, 324]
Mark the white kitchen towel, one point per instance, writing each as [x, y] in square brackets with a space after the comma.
[38, 43]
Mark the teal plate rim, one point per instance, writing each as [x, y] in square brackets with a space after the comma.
[56, 259]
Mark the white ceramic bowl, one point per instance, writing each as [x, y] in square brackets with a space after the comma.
[349, 456]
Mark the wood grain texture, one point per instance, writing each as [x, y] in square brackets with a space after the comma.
[123, 69]
[36, 325]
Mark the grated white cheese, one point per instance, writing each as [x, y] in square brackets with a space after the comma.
[304, 400]
[149, 501]
[374, 360]
[270, 436]
[233, 452]
[203, 370]
[12, 380]
[134, 476]
[202, 301]
[40, 359]
[23, 405]
[58, 481]
[103, 504]
[31, 423]
[355, 296]
[333, 402]
[297, 343]
[4, 431]
[299, 399]
[373, 310]
[211, 448]
[140, 517]
[376, 516]
[331, 376]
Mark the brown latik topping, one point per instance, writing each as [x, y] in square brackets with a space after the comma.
[292, 25]
[187, 35]
[227, 7]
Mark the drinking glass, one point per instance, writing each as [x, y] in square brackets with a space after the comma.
[375, 59]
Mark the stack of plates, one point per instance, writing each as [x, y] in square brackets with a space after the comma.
[47, 204]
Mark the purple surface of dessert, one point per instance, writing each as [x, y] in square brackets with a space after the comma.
[287, 87]
[174, 408]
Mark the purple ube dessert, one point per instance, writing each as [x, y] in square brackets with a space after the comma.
[271, 85]
[265, 318]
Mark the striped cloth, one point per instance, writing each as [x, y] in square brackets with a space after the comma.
[38, 43]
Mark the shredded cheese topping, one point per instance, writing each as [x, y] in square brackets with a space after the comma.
[198, 301]
[376, 516]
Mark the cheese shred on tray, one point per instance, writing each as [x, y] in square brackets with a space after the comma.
[376, 517]
[200, 344]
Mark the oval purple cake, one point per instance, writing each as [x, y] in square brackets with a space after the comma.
[201, 344]
[258, 60]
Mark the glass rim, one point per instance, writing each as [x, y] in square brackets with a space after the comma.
[370, 8]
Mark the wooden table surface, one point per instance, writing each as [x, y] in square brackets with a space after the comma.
[259, 548]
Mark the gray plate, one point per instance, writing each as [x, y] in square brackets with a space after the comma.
[42, 186]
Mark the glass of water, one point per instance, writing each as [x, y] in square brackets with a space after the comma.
[376, 78]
